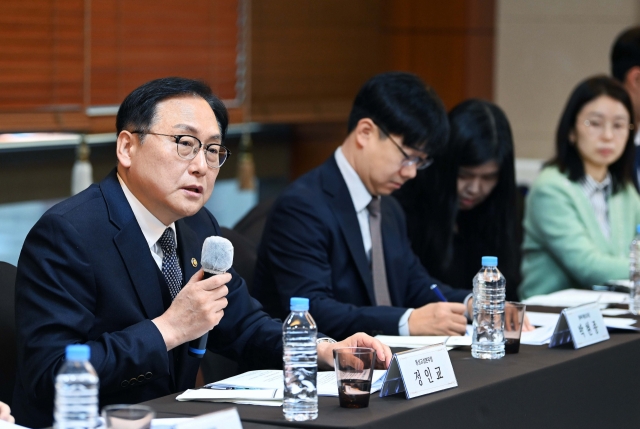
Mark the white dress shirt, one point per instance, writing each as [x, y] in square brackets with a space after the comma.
[598, 194]
[151, 227]
[361, 199]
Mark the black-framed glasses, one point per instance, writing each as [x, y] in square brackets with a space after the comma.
[188, 147]
[420, 162]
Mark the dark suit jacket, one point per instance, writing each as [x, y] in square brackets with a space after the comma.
[312, 247]
[86, 275]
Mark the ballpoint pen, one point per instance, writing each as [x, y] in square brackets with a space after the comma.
[436, 290]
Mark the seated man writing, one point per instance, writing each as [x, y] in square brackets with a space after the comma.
[335, 237]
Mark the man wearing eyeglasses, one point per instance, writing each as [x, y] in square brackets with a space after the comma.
[335, 237]
[117, 267]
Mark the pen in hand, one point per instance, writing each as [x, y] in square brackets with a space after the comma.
[436, 290]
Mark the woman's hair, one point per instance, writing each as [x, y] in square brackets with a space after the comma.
[567, 158]
[480, 133]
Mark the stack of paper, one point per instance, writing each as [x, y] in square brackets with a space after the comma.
[264, 387]
[574, 297]
[416, 341]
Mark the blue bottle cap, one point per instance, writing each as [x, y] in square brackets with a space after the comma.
[78, 352]
[489, 261]
[638, 229]
[299, 304]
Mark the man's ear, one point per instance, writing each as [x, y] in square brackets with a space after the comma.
[365, 130]
[126, 146]
[632, 79]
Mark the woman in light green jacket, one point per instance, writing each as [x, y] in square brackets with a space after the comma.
[582, 211]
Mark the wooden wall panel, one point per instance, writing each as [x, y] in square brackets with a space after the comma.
[134, 42]
[309, 58]
[41, 54]
[47, 77]
[448, 44]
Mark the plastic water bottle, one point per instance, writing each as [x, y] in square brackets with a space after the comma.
[300, 361]
[76, 404]
[634, 273]
[488, 311]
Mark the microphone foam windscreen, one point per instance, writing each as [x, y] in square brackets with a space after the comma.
[217, 255]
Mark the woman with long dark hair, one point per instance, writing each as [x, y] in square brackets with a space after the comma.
[582, 211]
[464, 206]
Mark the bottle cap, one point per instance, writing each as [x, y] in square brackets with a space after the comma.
[638, 229]
[78, 352]
[489, 261]
[299, 304]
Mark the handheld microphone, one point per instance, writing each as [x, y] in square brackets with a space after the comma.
[216, 258]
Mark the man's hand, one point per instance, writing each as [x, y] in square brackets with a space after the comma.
[5, 413]
[512, 321]
[195, 310]
[383, 352]
[439, 318]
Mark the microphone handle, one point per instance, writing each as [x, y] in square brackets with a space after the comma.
[198, 347]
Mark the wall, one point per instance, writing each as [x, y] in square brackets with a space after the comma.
[544, 48]
[309, 59]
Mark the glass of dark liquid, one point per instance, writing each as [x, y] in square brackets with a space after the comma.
[354, 370]
[514, 317]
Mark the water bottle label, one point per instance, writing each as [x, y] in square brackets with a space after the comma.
[583, 325]
[419, 372]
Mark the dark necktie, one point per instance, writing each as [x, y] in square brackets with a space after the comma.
[378, 270]
[170, 267]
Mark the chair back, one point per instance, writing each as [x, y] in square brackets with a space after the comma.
[245, 255]
[252, 224]
[7, 331]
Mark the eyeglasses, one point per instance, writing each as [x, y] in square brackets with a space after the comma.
[420, 162]
[188, 147]
[598, 126]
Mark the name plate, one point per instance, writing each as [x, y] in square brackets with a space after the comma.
[419, 372]
[582, 325]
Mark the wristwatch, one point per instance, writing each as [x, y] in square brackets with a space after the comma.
[325, 340]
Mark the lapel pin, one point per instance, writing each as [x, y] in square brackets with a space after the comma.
[194, 262]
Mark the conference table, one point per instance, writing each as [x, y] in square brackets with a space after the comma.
[596, 386]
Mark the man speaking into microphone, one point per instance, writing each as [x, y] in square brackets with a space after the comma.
[118, 267]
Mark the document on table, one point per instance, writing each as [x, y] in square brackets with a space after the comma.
[7, 425]
[169, 423]
[575, 297]
[264, 387]
[415, 341]
[538, 336]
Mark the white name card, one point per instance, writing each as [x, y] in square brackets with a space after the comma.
[419, 372]
[582, 325]
[225, 419]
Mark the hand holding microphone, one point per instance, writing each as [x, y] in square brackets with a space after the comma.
[199, 305]
[216, 258]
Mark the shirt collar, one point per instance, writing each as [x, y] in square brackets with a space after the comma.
[592, 186]
[359, 193]
[152, 228]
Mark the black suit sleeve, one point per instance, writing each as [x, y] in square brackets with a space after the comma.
[301, 256]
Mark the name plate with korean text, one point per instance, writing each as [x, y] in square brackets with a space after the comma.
[419, 372]
[582, 325]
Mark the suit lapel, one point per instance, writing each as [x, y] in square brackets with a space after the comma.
[341, 204]
[133, 247]
[189, 249]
